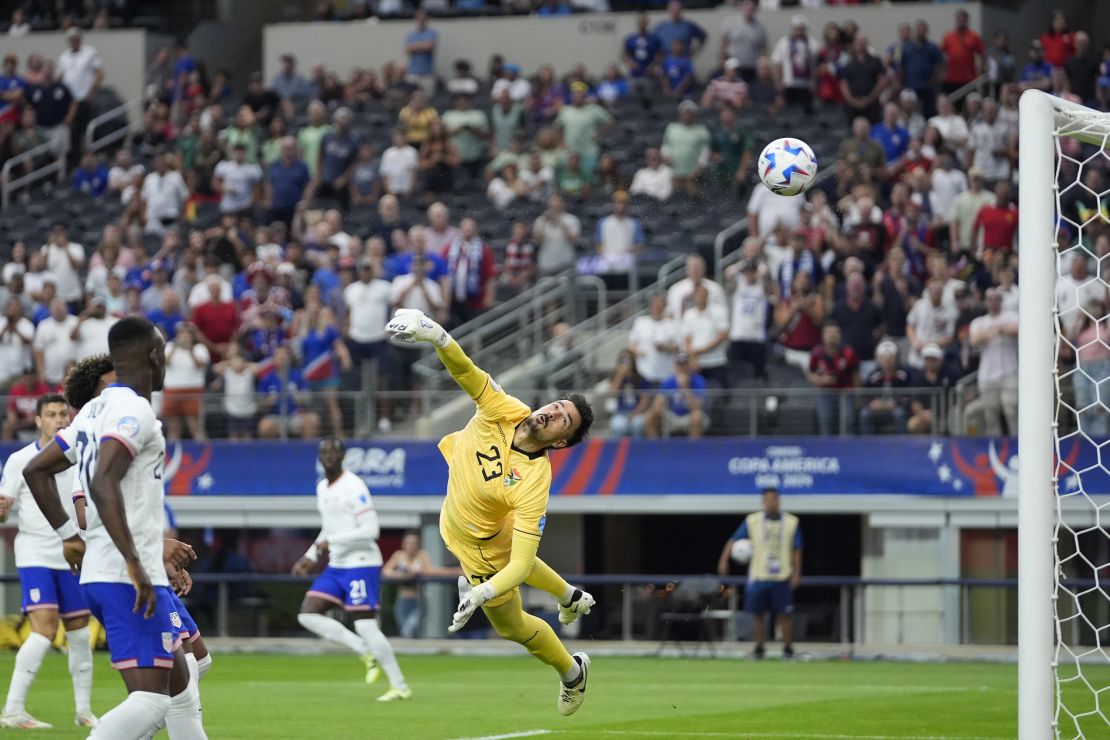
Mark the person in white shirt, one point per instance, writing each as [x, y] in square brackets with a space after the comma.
[704, 330]
[121, 466]
[414, 290]
[237, 181]
[654, 339]
[240, 402]
[555, 233]
[16, 336]
[655, 178]
[618, 236]
[81, 70]
[53, 346]
[951, 125]
[520, 89]
[766, 209]
[19, 25]
[348, 536]
[51, 592]
[946, 183]
[995, 334]
[368, 301]
[65, 259]
[1075, 290]
[991, 144]
[186, 366]
[91, 330]
[680, 296]
[164, 193]
[398, 166]
[123, 172]
[930, 321]
[748, 328]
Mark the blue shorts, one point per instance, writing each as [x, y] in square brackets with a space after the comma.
[354, 589]
[768, 596]
[49, 588]
[181, 619]
[133, 641]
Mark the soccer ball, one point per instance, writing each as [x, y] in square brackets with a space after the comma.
[742, 551]
[787, 166]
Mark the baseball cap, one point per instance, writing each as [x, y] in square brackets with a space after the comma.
[732, 63]
[908, 94]
[512, 69]
[887, 347]
[579, 86]
[799, 20]
[932, 351]
[687, 105]
[975, 172]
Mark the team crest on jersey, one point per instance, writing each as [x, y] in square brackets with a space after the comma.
[128, 425]
[175, 619]
[167, 641]
[513, 477]
[35, 595]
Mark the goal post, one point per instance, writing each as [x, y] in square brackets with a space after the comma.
[1063, 608]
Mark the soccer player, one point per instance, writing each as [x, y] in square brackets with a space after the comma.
[51, 592]
[496, 506]
[348, 534]
[121, 463]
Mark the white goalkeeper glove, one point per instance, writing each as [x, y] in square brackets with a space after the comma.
[412, 326]
[469, 601]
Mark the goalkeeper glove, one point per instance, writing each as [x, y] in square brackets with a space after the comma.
[412, 326]
[469, 601]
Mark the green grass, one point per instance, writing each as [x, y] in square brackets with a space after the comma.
[280, 696]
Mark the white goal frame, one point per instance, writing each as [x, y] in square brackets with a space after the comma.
[1043, 118]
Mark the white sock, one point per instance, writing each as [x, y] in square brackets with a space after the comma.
[183, 720]
[572, 674]
[567, 596]
[203, 665]
[27, 663]
[80, 667]
[382, 651]
[194, 670]
[134, 718]
[333, 630]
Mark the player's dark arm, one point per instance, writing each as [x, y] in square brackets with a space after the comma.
[114, 461]
[726, 555]
[39, 475]
[796, 577]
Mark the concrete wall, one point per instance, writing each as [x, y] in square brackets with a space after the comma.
[123, 53]
[1031, 18]
[593, 39]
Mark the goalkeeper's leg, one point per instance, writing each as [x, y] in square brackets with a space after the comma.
[513, 623]
[573, 602]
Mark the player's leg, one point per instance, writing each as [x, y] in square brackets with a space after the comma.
[200, 652]
[783, 605]
[754, 604]
[328, 591]
[184, 718]
[40, 604]
[75, 616]
[362, 600]
[573, 602]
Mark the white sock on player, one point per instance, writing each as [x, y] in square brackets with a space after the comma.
[194, 669]
[27, 663]
[379, 647]
[203, 664]
[333, 630]
[183, 720]
[80, 667]
[567, 596]
[134, 718]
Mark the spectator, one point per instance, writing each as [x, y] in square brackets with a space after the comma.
[551, 8]
[163, 194]
[167, 317]
[995, 335]
[29, 136]
[1058, 42]
[964, 52]
[833, 366]
[338, 151]
[862, 146]
[934, 374]
[464, 82]
[469, 129]
[19, 25]
[289, 85]
[17, 334]
[416, 119]
[285, 399]
[747, 351]
[1037, 74]
[619, 237]
[23, 395]
[216, 320]
[920, 67]
[91, 179]
[243, 131]
[16, 263]
[727, 91]
[1082, 69]
[415, 290]
[744, 39]
[677, 76]
[506, 187]
[992, 143]
[630, 399]
[1093, 364]
[506, 120]
[572, 180]
[53, 347]
[65, 260]
[556, 233]
[420, 46]
[680, 404]
[439, 160]
[612, 88]
[16, 290]
[799, 258]
[237, 181]
[891, 135]
[950, 125]
[324, 355]
[642, 54]
[794, 61]
[686, 147]
[860, 320]
[123, 173]
[930, 321]
[888, 410]
[287, 177]
[368, 309]
[678, 28]
[472, 270]
[237, 378]
[995, 227]
[895, 289]
[704, 329]
[797, 318]
[680, 296]
[403, 567]
[91, 331]
[398, 167]
[946, 184]
[82, 71]
[655, 179]
[1001, 65]
[965, 210]
[518, 87]
[310, 135]
[583, 122]
[186, 365]
[862, 81]
[654, 341]
[1075, 290]
[54, 107]
[366, 181]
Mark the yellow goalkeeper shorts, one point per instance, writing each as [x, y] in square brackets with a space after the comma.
[481, 560]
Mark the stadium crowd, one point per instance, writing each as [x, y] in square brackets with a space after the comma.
[270, 236]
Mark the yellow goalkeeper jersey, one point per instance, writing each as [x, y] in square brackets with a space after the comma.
[491, 484]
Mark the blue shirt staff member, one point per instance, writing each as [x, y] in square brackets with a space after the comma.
[774, 570]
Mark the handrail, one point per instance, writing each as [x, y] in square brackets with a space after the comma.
[121, 111]
[9, 185]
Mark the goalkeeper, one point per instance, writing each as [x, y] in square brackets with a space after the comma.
[495, 510]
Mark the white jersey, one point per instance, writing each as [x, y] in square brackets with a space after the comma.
[348, 522]
[122, 415]
[37, 545]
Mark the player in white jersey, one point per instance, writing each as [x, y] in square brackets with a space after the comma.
[348, 535]
[51, 593]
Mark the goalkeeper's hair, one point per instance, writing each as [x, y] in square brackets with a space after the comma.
[586, 412]
[82, 382]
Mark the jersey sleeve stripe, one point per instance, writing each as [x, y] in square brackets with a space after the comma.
[127, 444]
[537, 535]
[61, 442]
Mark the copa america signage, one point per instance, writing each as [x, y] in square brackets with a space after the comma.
[786, 467]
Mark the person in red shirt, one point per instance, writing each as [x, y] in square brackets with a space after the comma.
[1058, 41]
[996, 226]
[216, 322]
[964, 52]
[22, 398]
[833, 365]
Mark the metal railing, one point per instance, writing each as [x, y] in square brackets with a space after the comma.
[55, 167]
[125, 115]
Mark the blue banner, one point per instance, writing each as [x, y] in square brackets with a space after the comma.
[918, 466]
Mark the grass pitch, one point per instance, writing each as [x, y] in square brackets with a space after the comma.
[298, 697]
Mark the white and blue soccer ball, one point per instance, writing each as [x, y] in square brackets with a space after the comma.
[787, 166]
[742, 551]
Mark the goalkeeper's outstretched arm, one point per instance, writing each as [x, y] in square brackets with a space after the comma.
[410, 325]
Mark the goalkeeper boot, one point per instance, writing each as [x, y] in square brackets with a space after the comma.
[572, 695]
[580, 603]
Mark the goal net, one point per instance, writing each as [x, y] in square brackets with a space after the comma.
[1064, 538]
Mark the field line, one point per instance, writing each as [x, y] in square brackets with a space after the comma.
[508, 735]
[789, 735]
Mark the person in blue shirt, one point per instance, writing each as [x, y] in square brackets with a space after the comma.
[13, 89]
[678, 72]
[550, 8]
[613, 86]
[324, 353]
[680, 404]
[420, 45]
[167, 316]
[921, 63]
[286, 182]
[92, 177]
[181, 68]
[642, 54]
[677, 28]
[890, 133]
[1037, 75]
[283, 389]
[400, 263]
[336, 162]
